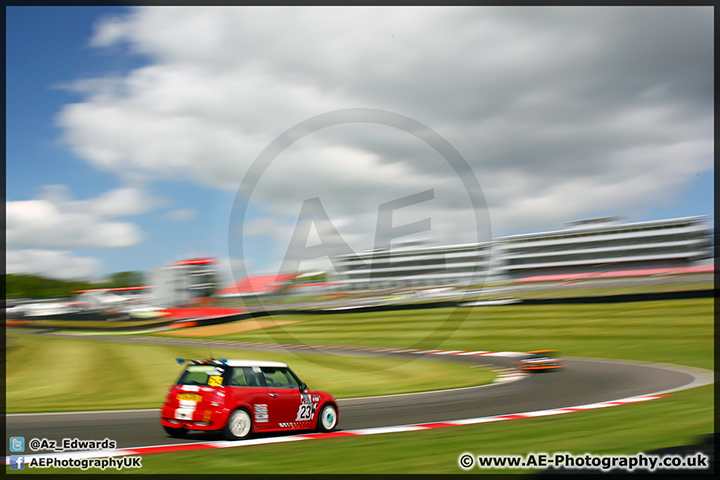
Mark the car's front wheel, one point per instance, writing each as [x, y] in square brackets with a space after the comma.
[327, 421]
[175, 432]
[238, 425]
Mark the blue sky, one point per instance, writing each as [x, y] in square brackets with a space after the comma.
[128, 131]
[48, 47]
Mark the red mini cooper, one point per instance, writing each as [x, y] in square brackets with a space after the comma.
[240, 397]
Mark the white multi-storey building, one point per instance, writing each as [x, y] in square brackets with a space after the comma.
[604, 244]
[415, 264]
[597, 244]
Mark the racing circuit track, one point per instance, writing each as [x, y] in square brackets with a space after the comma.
[583, 381]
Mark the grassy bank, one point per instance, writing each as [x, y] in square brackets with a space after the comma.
[674, 331]
[46, 374]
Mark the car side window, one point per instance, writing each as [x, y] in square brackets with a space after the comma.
[243, 377]
[278, 378]
[238, 378]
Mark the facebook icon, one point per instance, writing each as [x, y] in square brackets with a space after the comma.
[17, 462]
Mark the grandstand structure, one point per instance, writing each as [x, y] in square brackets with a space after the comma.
[605, 244]
[601, 244]
[414, 264]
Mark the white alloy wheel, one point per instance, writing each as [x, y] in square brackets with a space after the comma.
[238, 425]
[328, 418]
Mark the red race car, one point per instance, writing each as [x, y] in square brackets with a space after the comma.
[241, 397]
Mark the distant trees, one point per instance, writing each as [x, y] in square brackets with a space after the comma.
[35, 286]
[19, 285]
[126, 279]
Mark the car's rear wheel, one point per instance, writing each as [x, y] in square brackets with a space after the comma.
[327, 421]
[238, 426]
[175, 432]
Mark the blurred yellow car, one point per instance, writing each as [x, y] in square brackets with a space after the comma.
[541, 360]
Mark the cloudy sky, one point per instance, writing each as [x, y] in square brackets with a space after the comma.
[136, 137]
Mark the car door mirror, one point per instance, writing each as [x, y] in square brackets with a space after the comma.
[303, 387]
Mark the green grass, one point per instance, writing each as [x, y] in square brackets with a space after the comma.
[674, 331]
[98, 324]
[595, 288]
[679, 332]
[47, 374]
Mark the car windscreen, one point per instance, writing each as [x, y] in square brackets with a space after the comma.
[209, 375]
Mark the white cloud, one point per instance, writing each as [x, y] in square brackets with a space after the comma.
[181, 215]
[122, 202]
[55, 221]
[560, 112]
[51, 263]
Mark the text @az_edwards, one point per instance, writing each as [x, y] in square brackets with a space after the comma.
[70, 444]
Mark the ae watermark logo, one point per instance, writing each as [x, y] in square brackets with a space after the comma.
[330, 241]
